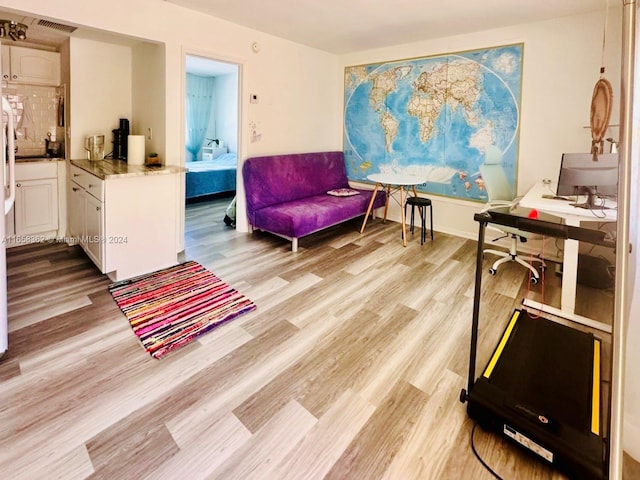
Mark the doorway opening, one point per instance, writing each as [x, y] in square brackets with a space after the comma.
[211, 129]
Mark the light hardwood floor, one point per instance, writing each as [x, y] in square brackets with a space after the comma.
[350, 368]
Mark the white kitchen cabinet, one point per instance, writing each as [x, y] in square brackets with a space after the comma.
[29, 65]
[126, 222]
[75, 218]
[36, 206]
[6, 63]
[94, 241]
[35, 211]
[86, 214]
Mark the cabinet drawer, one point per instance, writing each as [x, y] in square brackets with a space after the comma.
[92, 184]
[36, 170]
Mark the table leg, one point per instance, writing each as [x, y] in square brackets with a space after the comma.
[369, 208]
[386, 203]
[569, 287]
[404, 226]
[569, 276]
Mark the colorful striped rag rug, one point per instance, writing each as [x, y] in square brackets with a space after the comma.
[169, 308]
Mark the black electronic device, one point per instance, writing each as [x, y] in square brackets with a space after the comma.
[119, 144]
[581, 175]
[541, 387]
[121, 140]
[541, 390]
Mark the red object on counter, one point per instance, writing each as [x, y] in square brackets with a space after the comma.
[533, 214]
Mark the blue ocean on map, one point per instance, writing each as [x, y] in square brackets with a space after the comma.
[434, 117]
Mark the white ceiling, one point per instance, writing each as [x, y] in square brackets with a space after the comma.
[36, 34]
[52, 34]
[344, 26]
[208, 68]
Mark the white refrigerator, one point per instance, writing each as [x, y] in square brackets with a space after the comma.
[7, 176]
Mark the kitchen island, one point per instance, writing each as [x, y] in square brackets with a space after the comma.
[124, 216]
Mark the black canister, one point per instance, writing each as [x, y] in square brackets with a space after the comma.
[124, 128]
[124, 125]
[119, 144]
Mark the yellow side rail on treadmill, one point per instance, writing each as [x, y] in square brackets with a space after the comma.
[595, 390]
[501, 345]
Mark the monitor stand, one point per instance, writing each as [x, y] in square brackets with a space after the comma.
[590, 203]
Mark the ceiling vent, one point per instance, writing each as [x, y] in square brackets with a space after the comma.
[57, 26]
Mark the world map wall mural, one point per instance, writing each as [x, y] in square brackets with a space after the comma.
[434, 117]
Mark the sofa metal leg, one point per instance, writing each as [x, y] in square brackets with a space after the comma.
[294, 244]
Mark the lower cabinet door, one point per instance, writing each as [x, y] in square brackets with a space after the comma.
[75, 209]
[94, 230]
[36, 206]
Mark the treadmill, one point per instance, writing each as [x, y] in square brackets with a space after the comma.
[541, 388]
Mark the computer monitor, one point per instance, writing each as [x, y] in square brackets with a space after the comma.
[580, 175]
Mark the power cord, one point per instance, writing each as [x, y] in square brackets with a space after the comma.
[475, 452]
[599, 212]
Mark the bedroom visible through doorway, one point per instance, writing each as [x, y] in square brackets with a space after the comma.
[211, 128]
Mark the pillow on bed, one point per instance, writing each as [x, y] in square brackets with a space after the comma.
[343, 192]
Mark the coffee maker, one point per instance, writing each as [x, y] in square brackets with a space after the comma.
[120, 139]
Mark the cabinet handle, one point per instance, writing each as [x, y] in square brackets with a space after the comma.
[76, 174]
[6, 76]
[15, 77]
[75, 189]
[91, 185]
[97, 209]
[18, 185]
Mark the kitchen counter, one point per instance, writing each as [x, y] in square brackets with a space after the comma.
[125, 217]
[29, 159]
[106, 169]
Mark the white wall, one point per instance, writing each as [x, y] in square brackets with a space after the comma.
[631, 441]
[148, 93]
[300, 106]
[225, 110]
[99, 98]
[223, 121]
[211, 128]
[560, 68]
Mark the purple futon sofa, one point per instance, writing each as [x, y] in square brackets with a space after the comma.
[287, 194]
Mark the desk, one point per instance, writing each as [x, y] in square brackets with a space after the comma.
[572, 216]
[392, 182]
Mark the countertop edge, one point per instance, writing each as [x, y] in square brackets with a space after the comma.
[39, 160]
[112, 169]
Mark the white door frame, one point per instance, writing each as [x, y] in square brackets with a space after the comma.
[242, 224]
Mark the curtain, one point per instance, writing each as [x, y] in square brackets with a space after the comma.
[198, 110]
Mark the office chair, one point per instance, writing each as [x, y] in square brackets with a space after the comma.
[502, 198]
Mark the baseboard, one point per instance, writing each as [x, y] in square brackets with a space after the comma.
[631, 438]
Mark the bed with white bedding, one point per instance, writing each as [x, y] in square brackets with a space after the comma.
[208, 177]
